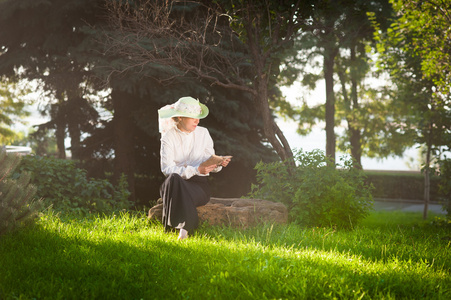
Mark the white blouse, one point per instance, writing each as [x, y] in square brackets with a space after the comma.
[182, 152]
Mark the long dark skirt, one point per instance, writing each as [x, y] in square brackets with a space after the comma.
[180, 199]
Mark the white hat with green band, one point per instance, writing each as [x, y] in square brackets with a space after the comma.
[184, 107]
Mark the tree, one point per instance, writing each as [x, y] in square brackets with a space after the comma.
[42, 142]
[425, 107]
[322, 38]
[47, 41]
[70, 115]
[337, 40]
[203, 44]
[359, 105]
[429, 24]
[12, 109]
[44, 42]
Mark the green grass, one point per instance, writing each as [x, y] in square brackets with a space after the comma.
[390, 256]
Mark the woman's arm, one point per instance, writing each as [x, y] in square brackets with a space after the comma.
[209, 151]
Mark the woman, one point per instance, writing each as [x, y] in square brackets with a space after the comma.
[184, 146]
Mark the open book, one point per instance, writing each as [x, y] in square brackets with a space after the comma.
[214, 160]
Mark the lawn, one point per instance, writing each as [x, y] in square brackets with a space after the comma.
[391, 255]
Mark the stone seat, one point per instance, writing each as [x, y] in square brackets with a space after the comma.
[235, 212]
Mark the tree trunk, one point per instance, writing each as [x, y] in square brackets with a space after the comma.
[124, 160]
[427, 181]
[73, 123]
[356, 151]
[74, 133]
[60, 135]
[350, 108]
[329, 57]
[260, 92]
[354, 132]
[271, 130]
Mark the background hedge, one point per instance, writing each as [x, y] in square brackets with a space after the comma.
[401, 185]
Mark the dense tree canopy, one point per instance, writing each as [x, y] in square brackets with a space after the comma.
[237, 46]
[111, 120]
[429, 25]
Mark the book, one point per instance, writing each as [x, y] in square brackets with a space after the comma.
[215, 160]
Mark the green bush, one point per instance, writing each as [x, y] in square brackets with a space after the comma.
[315, 192]
[66, 188]
[17, 203]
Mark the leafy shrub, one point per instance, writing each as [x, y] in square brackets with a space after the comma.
[17, 203]
[315, 192]
[66, 188]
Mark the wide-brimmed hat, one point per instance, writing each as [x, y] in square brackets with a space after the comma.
[184, 107]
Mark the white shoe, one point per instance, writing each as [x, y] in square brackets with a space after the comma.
[183, 234]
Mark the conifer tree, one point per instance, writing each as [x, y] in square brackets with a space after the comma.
[17, 204]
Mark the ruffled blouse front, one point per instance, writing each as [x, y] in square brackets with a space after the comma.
[182, 152]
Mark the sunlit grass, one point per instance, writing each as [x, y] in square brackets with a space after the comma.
[391, 256]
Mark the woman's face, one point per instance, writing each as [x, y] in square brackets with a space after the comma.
[187, 124]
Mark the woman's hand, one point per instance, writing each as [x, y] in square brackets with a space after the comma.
[225, 162]
[206, 170]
